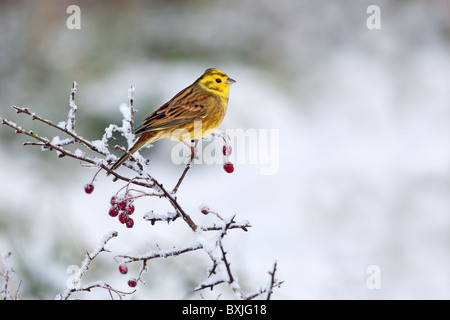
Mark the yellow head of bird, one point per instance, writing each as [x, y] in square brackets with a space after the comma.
[216, 81]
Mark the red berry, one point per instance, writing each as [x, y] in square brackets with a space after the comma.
[113, 212]
[130, 209]
[114, 200]
[123, 269]
[123, 217]
[88, 188]
[132, 282]
[228, 167]
[204, 210]
[226, 150]
[129, 223]
[122, 205]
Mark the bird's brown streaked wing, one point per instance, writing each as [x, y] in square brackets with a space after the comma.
[185, 107]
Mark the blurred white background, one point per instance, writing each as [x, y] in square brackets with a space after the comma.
[364, 154]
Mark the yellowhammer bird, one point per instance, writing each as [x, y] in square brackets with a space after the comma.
[203, 102]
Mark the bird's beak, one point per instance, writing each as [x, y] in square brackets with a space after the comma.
[230, 81]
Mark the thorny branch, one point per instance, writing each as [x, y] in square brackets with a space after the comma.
[274, 283]
[76, 281]
[219, 272]
[223, 266]
[5, 292]
[188, 166]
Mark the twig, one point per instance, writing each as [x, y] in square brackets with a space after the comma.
[161, 254]
[47, 144]
[175, 204]
[85, 266]
[269, 289]
[105, 286]
[188, 166]
[51, 124]
[272, 281]
[70, 124]
[132, 111]
[243, 225]
[227, 264]
[5, 293]
[168, 217]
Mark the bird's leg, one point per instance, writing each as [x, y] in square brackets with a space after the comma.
[193, 147]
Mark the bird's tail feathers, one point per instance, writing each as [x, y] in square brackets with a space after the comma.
[140, 143]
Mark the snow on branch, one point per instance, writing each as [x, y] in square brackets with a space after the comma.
[75, 285]
[5, 275]
[70, 124]
[138, 183]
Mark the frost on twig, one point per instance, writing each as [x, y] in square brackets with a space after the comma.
[273, 283]
[153, 217]
[5, 275]
[220, 271]
[75, 281]
[70, 124]
[137, 182]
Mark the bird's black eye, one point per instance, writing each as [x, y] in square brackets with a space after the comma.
[218, 80]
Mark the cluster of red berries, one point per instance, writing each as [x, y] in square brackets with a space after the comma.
[122, 207]
[228, 166]
[123, 269]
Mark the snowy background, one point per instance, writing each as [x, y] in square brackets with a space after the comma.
[364, 156]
